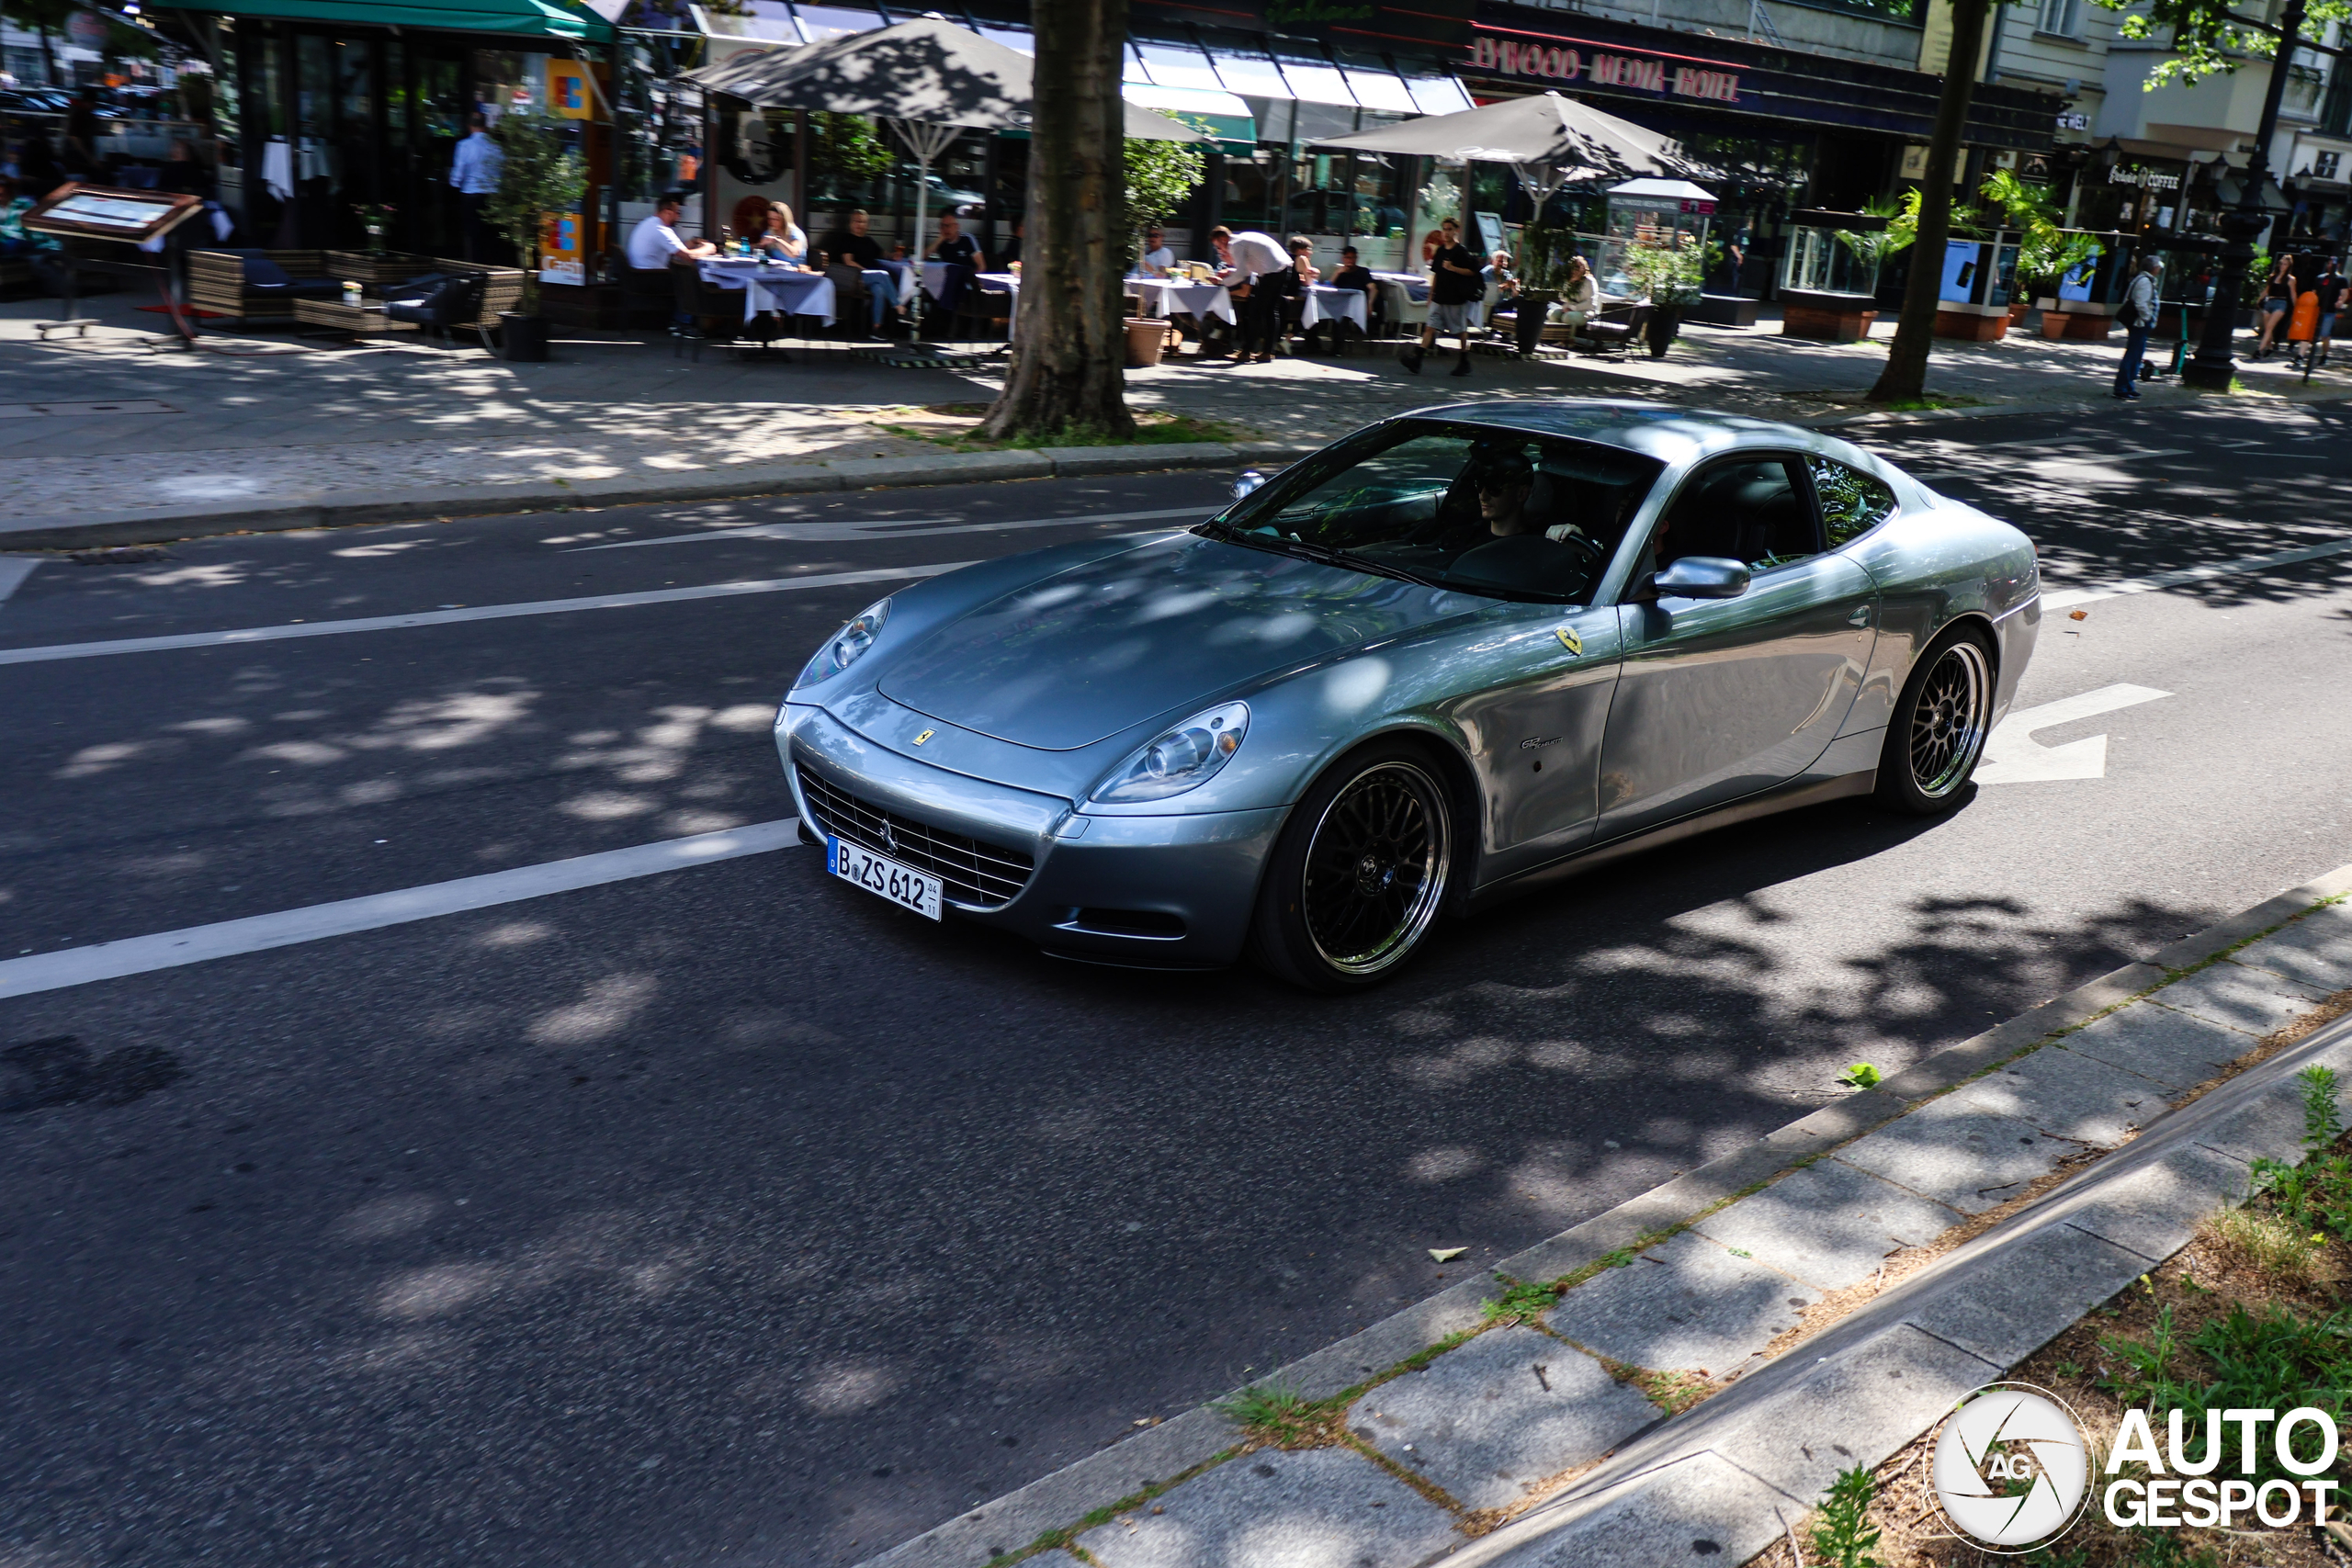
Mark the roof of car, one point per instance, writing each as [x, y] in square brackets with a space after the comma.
[1672, 436]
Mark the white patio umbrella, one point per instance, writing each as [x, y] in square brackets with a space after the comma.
[928, 79]
[1547, 139]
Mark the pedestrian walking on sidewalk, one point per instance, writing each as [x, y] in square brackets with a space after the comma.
[1457, 288]
[2278, 298]
[2137, 314]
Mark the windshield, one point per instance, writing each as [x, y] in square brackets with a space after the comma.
[1472, 507]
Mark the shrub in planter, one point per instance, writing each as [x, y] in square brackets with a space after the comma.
[543, 178]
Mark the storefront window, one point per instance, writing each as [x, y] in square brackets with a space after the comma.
[355, 133]
[1248, 193]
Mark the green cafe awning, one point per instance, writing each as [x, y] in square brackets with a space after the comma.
[553, 19]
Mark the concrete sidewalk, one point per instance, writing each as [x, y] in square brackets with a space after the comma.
[1679, 1380]
[272, 430]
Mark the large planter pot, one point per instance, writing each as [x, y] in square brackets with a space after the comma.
[1149, 338]
[1662, 325]
[2054, 323]
[524, 337]
[1534, 304]
[1826, 317]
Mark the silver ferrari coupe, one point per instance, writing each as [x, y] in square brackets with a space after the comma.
[1456, 654]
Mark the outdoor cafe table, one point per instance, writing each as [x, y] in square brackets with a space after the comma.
[768, 286]
[1325, 302]
[1168, 296]
[935, 280]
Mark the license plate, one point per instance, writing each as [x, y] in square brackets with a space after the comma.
[904, 886]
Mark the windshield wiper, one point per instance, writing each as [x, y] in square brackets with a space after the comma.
[1383, 569]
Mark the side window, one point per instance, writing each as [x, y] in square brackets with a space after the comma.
[1852, 503]
[1750, 510]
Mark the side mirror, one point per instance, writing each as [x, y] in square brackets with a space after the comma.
[1702, 577]
[1249, 480]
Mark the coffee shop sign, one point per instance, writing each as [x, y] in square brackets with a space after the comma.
[1510, 57]
[2146, 179]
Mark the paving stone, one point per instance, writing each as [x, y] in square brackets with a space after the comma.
[1506, 1410]
[2156, 1209]
[2004, 1311]
[1857, 1407]
[2316, 951]
[1271, 1509]
[1829, 1225]
[1686, 1305]
[1958, 1155]
[2068, 1095]
[2173, 1048]
[2271, 1127]
[2252, 1000]
[1700, 1512]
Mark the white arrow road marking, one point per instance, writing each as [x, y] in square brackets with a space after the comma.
[2013, 756]
[2066, 598]
[455, 618]
[909, 528]
[194, 945]
[14, 570]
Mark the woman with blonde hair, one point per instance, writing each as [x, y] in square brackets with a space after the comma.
[783, 239]
[1579, 295]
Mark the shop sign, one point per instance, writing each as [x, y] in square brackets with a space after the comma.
[568, 92]
[1552, 62]
[2146, 179]
[2074, 120]
[86, 29]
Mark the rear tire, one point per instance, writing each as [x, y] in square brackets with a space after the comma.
[1360, 873]
[1936, 734]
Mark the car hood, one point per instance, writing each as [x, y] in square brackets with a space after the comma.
[1077, 656]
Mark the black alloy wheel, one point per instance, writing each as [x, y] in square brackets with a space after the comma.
[1940, 726]
[1360, 873]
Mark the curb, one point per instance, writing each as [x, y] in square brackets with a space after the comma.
[164, 525]
[1071, 1499]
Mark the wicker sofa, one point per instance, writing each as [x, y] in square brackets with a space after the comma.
[222, 282]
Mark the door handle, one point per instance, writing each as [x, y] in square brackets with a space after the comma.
[1861, 617]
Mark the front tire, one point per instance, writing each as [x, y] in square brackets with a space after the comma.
[1936, 734]
[1360, 873]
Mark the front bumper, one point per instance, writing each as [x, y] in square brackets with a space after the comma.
[1174, 890]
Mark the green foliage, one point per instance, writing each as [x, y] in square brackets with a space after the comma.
[1543, 252]
[540, 178]
[2168, 1549]
[1521, 1301]
[2210, 37]
[1273, 1410]
[1861, 1074]
[1670, 275]
[2273, 1358]
[845, 145]
[2323, 1111]
[1160, 176]
[1902, 228]
[1842, 1535]
[2045, 252]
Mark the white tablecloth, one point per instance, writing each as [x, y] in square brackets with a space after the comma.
[1165, 296]
[934, 278]
[1325, 303]
[770, 288]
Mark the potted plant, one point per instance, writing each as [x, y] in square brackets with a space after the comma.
[376, 216]
[1671, 276]
[1544, 252]
[541, 178]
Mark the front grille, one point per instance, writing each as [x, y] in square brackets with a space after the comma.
[985, 875]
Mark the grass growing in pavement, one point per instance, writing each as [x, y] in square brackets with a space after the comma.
[953, 425]
[1278, 1413]
[1842, 1533]
[1520, 1300]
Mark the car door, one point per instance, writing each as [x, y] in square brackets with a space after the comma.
[1718, 699]
[1536, 732]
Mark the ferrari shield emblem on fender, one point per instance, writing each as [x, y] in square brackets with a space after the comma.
[925, 736]
[1569, 640]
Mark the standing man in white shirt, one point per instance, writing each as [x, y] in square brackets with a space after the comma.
[655, 244]
[474, 173]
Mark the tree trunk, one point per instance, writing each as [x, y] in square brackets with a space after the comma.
[1905, 376]
[1069, 347]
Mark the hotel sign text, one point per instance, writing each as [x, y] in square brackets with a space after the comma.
[1553, 62]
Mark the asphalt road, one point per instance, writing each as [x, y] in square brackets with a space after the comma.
[731, 1216]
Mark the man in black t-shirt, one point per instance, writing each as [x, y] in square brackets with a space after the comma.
[850, 245]
[961, 254]
[1457, 285]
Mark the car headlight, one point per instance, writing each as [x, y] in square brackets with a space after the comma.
[1184, 758]
[847, 646]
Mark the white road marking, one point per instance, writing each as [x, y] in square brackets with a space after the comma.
[471, 613]
[257, 933]
[2013, 756]
[913, 529]
[14, 570]
[2067, 598]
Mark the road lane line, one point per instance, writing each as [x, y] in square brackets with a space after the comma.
[2067, 598]
[913, 529]
[257, 933]
[14, 570]
[471, 613]
[2013, 756]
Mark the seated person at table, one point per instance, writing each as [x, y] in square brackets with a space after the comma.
[961, 254]
[885, 277]
[1304, 274]
[1350, 274]
[654, 244]
[782, 239]
[1157, 257]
